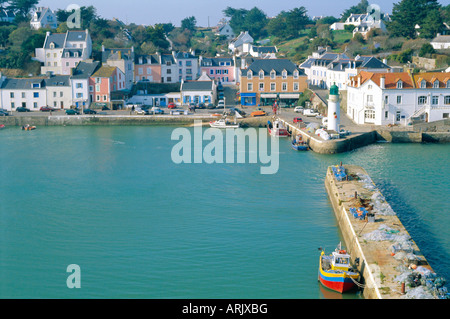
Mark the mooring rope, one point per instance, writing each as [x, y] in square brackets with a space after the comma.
[360, 285]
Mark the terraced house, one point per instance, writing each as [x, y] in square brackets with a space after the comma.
[268, 80]
[104, 84]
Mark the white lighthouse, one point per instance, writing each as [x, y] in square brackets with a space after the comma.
[333, 109]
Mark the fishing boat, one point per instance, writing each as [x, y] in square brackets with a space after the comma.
[28, 127]
[223, 123]
[2, 126]
[277, 129]
[298, 144]
[335, 271]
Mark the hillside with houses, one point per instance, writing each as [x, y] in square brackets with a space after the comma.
[286, 59]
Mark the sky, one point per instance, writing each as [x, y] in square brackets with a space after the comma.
[206, 12]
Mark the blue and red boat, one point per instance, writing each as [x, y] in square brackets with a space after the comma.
[335, 271]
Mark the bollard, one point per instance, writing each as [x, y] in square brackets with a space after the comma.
[403, 288]
[356, 195]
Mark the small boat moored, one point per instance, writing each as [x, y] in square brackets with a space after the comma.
[277, 129]
[223, 123]
[335, 271]
[298, 144]
[28, 127]
[2, 126]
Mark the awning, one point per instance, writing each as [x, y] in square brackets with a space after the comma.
[248, 94]
[289, 96]
[268, 96]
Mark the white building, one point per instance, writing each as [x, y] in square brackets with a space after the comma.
[59, 91]
[363, 23]
[398, 98]
[198, 92]
[188, 68]
[81, 91]
[43, 18]
[30, 93]
[325, 68]
[441, 42]
[224, 29]
[56, 53]
[236, 45]
[169, 69]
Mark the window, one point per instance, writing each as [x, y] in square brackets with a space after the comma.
[188, 63]
[295, 74]
[61, 94]
[369, 114]
[386, 114]
[422, 100]
[436, 84]
[296, 86]
[79, 85]
[54, 94]
[249, 86]
[399, 99]
[369, 98]
[188, 71]
[35, 105]
[272, 86]
[140, 71]
[284, 86]
[104, 97]
[249, 75]
[168, 63]
[261, 86]
[13, 105]
[369, 86]
[23, 95]
[36, 85]
[149, 71]
[79, 95]
[386, 99]
[98, 97]
[211, 72]
[397, 116]
[448, 84]
[11, 95]
[435, 100]
[445, 115]
[423, 84]
[261, 75]
[400, 84]
[272, 74]
[91, 88]
[284, 75]
[447, 99]
[97, 87]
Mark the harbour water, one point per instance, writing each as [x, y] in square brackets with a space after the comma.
[111, 200]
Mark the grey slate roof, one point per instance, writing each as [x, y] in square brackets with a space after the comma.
[197, 86]
[216, 61]
[266, 49]
[57, 38]
[267, 65]
[85, 69]
[185, 55]
[58, 80]
[22, 84]
[147, 59]
[76, 36]
[167, 58]
[71, 52]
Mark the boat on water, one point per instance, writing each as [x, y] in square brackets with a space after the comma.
[223, 123]
[298, 144]
[28, 127]
[335, 271]
[277, 129]
[2, 126]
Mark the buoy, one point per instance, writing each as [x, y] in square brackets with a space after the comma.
[413, 266]
[392, 254]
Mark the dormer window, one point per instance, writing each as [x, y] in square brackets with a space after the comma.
[52, 45]
[284, 74]
[272, 74]
[423, 84]
[75, 54]
[436, 84]
[400, 84]
[261, 74]
[249, 75]
[67, 54]
[295, 74]
[448, 84]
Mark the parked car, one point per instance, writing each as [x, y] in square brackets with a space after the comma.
[22, 109]
[142, 111]
[89, 111]
[221, 104]
[105, 108]
[72, 112]
[298, 120]
[210, 106]
[201, 106]
[4, 113]
[299, 109]
[310, 112]
[157, 110]
[47, 109]
[171, 105]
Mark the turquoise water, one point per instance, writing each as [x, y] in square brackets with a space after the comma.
[111, 200]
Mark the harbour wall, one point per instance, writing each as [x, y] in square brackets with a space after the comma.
[379, 267]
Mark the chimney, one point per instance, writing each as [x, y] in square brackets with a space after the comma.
[359, 81]
[382, 82]
[103, 48]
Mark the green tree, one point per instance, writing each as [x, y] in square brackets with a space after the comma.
[358, 9]
[22, 7]
[87, 14]
[431, 25]
[5, 31]
[426, 50]
[407, 14]
[188, 23]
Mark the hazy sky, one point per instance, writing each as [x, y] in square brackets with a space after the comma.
[161, 11]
